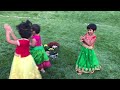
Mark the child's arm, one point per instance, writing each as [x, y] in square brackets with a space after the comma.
[12, 33]
[8, 33]
[89, 42]
[8, 27]
[33, 42]
[81, 38]
[13, 36]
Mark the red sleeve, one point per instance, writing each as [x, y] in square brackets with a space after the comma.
[94, 37]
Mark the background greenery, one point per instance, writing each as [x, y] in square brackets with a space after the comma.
[66, 27]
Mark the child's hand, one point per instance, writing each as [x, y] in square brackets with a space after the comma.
[7, 27]
[81, 37]
[81, 40]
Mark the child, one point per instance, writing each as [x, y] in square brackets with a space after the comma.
[37, 49]
[87, 61]
[23, 65]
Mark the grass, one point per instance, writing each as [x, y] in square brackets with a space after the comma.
[66, 27]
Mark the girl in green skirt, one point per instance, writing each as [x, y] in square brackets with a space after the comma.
[37, 50]
[87, 61]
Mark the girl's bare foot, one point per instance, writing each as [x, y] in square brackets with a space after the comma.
[91, 72]
[79, 72]
[42, 70]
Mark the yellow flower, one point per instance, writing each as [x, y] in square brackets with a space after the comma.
[45, 45]
[51, 49]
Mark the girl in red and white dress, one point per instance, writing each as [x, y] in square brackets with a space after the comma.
[23, 65]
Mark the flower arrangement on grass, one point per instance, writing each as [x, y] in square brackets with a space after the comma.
[52, 49]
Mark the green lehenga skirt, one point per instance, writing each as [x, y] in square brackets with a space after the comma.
[87, 61]
[40, 57]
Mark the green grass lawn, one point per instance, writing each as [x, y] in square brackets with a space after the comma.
[66, 27]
